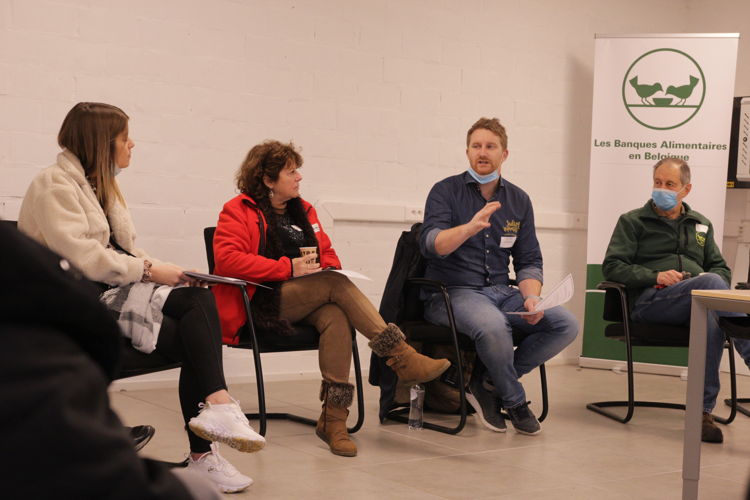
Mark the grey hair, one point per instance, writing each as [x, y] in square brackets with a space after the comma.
[684, 167]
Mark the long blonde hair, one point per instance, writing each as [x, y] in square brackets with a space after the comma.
[89, 131]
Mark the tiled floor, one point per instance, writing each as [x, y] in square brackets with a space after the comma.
[579, 454]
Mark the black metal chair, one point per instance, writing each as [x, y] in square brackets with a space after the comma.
[617, 311]
[736, 328]
[403, 305]
[135, 363]
[305, 338]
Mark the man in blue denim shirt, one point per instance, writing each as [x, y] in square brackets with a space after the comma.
[474, 223]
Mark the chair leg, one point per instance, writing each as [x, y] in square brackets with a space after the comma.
[733, 386]
[631, 403]
[263, 416]
[462, 410]
[358, 383]
[545, 398]
[740, 408]
[401, 414]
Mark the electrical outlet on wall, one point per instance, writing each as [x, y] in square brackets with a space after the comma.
[413, 213]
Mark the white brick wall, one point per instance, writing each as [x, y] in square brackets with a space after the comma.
[377, 93]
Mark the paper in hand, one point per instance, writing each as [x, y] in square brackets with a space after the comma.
[560, 294]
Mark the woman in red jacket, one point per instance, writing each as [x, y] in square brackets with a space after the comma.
[258, 238]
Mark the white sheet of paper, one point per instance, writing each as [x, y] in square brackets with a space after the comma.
[352, 274]
[560, 294]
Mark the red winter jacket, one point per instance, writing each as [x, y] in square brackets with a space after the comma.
[239, 232]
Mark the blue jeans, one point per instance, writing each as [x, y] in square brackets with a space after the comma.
[671, 306]
[479, 314]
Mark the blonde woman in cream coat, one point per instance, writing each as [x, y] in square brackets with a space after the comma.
[75, 208]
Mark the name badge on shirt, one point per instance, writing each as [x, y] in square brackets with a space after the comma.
[507, 241]
[316, 227]
[700, 234]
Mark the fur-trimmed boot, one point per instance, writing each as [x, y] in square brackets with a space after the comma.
[410, 366]
[331, 428]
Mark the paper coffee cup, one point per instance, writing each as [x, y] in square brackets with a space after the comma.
[308, 250]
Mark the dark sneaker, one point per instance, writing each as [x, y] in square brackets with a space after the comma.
[141, 435]
[486, 404]
[523, 419]
[710, 433]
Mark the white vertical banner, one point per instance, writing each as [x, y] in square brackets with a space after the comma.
[655, 96]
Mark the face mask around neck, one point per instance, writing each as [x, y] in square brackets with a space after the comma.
[483, 179]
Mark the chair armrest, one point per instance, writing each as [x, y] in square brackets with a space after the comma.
[215, 279]
[620, 310]
[611, 284]
[441, 285]
[446, 300]
[425, 282]
[443, 290]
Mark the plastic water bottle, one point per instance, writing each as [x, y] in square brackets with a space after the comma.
[416, 404]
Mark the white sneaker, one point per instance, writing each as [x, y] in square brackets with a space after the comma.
[226, 424]
[219, 471]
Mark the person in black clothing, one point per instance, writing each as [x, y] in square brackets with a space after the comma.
[61, 349]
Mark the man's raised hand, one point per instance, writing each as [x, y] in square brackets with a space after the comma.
[481, 219]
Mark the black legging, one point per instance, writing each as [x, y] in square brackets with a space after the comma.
[191, 334]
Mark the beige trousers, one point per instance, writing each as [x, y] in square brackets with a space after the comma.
[332, 304]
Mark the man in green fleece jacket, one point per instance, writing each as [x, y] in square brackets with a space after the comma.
[661, 252]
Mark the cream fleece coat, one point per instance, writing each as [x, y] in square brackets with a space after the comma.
[60, 211]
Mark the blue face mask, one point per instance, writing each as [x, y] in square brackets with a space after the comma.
[483, 179]
[116, 170]
[665, 199]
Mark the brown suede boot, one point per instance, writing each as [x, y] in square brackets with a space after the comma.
[410, 366]
[331, 426]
